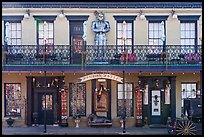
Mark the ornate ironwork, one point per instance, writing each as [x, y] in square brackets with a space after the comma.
[62, 54]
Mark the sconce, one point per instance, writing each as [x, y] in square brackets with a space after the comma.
[142, 16]
[61, 15]
[27, 15]
[173, 14]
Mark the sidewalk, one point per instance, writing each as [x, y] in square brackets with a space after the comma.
[52, 130]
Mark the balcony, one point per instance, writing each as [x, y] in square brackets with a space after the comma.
[114, 55]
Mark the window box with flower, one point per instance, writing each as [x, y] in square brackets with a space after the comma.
[76, 119]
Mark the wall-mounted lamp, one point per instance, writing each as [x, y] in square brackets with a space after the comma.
[141, 14]
[173, 14]
[61, 15]
[27, 15]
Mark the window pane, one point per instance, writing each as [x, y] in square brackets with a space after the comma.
[129, 34]
[19, 26]
[192, 26]
[18, 34]
[13, 26]
[50, 34]
[156, 26]
[156, 34]
[18, 41]
[187, 26]
[182, 26]
[129, 26]
[41, 42]
[41, 34]
[13, 41]
[183, 34]
[151, 42]
[151, 34]
[187, 34]
[40, 26]
[182, 42]
[120, 95]
[119, 42]
[119, 27]
[119, 34]
[128, 42]
[50, 25]
[192, 34]
[160, 42]
[150, 26]
[13, 34]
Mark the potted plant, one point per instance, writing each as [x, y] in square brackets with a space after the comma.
[77, 119]
[121, 121]
[10, 122]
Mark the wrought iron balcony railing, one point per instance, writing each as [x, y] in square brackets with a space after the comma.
[113, 54]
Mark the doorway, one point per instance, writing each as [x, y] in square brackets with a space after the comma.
[101, 97]
[49, 97]
[76, 32]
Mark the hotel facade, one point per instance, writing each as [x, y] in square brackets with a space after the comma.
[134, 59]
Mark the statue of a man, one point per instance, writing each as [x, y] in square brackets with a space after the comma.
[100, 27]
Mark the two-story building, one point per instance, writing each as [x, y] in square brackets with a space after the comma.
[113, 59]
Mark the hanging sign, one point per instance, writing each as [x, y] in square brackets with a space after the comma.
[101, 76]
[64, 117]
[138, 106]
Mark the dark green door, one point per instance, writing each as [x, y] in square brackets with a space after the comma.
[49, 108]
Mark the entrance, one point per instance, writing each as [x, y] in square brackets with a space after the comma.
[49, 108]
[101, 97]
[155, 107]
[158, 99]
[76, 33]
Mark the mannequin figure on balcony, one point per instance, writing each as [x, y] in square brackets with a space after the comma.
[100, 27]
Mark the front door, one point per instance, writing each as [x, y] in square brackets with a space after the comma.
[76, 33]
[49, 108]
[156, 107]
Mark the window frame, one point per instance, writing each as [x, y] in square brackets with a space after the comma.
[132, 33]
[70, 112]
[5, 100]
[132, 114]
[186, 91]
[11, 30]
[157, 38]
[195, 29]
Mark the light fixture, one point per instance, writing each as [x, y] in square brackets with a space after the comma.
[27, 15]
[174, 16]
[61, 15]
[142, 16]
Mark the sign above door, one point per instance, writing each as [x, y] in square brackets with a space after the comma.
[101, 76]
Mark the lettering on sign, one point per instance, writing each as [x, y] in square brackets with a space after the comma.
[101, 76]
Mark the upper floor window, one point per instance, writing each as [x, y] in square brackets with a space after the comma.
[155, 33]
[12, 99]
[46, 33]
[125, 100]
[188, 33]
[188, 90]
[13, 33]
[124, 35]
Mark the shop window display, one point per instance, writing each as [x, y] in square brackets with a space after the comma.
[13, 99]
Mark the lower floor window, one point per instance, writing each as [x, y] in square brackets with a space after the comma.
[77, 99]
[12, 99]
[125, 100]
[188, 90]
